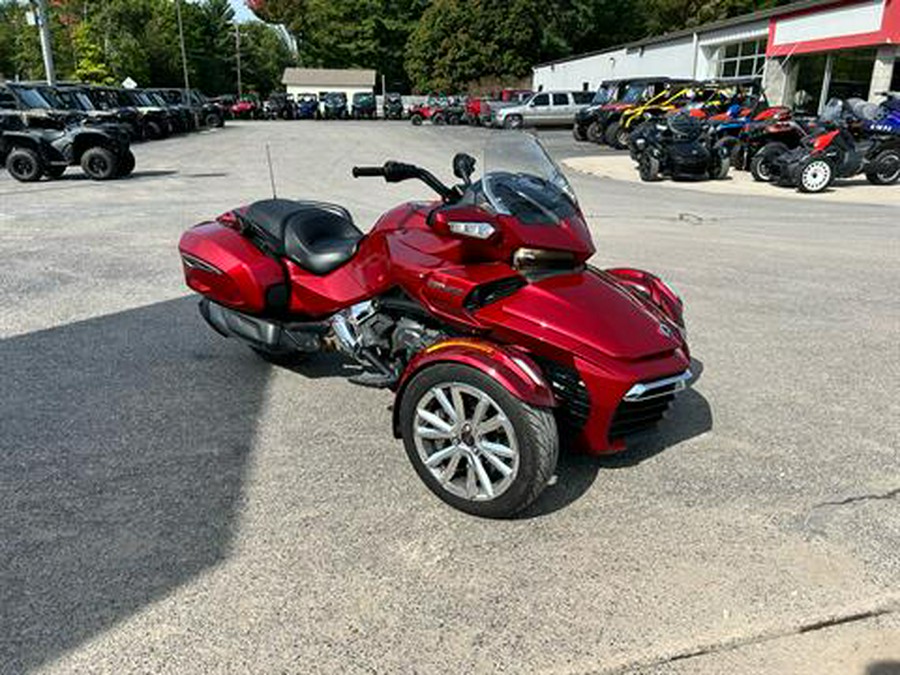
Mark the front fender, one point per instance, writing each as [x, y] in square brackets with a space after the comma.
[521, 376]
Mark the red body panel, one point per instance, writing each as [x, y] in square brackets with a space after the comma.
[615, 328]
[243, 273]
[823, 141]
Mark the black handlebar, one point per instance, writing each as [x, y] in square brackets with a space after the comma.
[394, 172]
[368, 171]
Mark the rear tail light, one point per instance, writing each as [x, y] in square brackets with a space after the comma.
[195, 263]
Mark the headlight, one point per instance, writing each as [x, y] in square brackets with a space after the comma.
[474, 229]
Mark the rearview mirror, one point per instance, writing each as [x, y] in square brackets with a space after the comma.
[464, 167]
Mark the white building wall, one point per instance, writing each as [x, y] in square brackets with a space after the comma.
[691, 56]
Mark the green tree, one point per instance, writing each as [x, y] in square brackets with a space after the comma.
[264, 56]
[89, 64]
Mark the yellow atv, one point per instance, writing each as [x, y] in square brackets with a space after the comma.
[673, 97]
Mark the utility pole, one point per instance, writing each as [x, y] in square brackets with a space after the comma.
[187, 81]
[43, 22]
[237, 48]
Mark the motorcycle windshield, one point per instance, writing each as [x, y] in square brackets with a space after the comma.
[520, 180]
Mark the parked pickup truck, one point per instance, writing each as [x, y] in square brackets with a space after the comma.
[545, 108]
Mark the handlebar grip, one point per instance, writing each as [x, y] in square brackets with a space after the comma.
[368, 171]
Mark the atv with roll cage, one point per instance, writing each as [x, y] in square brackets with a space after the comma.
[33, 146]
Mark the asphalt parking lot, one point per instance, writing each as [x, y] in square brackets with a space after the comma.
[169, 503]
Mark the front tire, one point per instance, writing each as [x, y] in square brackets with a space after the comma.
[25, 165]
[885, 168]
[648, 168]
[475, 445]
[416, 120]
[594, 133]
[513, 122]
[616, 136]
[815, 175]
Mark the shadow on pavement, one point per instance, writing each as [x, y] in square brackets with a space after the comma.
[125, 441]
[690, 416]
[883, 668]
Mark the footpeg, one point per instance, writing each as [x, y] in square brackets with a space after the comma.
[374, 380]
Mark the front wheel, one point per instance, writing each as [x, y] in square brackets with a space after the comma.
[513, 122]
[648, 168]
[594, 133]
[616, 136]
[416, 120]
[885, 168]
[474, 444]
[815, 175]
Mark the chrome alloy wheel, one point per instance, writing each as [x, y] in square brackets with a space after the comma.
[466, 441]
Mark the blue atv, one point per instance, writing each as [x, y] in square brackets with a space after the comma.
[885, 118]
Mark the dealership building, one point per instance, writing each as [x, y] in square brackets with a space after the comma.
[805, 53]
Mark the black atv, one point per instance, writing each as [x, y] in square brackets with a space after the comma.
[363, 106]
[679, 146]
[280, 106]
[34, 146]
[334, 106]
[393, 106]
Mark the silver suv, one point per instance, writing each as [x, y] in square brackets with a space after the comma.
[545, 108]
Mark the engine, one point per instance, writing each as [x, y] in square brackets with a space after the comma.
[382, 337]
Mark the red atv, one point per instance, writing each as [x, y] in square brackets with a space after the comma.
[478, 111]
[476, 309]
[439, 110]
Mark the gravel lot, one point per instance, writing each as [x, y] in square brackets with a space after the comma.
[169, 503]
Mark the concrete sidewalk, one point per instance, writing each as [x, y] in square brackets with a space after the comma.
[855, 190]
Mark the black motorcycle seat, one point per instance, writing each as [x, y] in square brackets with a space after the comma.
[318, 236]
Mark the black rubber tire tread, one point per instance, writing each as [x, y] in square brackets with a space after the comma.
[765, 153]
[872, 170]
[611, 134]
[37, 166]
[648, 168]
[126, 164]
[535, 429]
[112, 169]
[513, 122]
[594, 133]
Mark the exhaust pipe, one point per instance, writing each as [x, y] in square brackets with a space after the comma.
[266, 334]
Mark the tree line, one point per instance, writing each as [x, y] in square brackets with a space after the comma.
[422, 45]
[106, 41]
[445, 45]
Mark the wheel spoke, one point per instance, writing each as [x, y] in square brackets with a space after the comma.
[433, 434]
[458, 405]
[496, 461]
[483, 477]
[446, 405]
[452, 465]
[435, 421]
[494, 423]
[471, 487]
[497, 449]
[438, 457]
[480, 410]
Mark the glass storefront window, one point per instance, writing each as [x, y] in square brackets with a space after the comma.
[851, 76]
[742, 59]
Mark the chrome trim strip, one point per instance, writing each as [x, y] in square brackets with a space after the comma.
[196, 263]
[639, 392]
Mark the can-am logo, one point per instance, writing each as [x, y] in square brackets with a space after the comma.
[665, 331]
